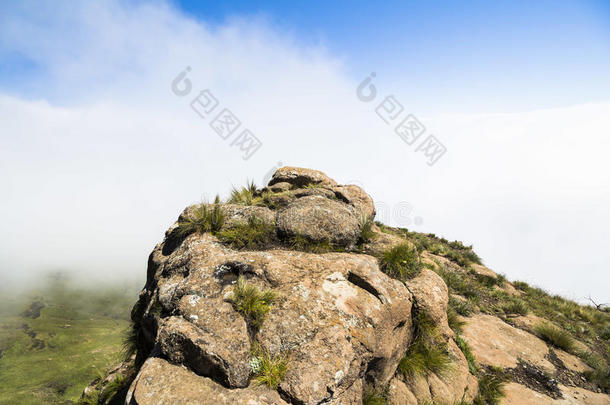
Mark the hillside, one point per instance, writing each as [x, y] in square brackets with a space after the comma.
[292, 294]
[59, 335]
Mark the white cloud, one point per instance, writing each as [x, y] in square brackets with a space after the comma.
[94, 174]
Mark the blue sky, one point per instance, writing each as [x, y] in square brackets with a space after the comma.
[454, 55]
[516, 91]
[444, 56]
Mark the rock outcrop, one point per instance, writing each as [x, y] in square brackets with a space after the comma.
[321, 320]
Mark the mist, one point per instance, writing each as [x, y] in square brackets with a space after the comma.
[99, 155]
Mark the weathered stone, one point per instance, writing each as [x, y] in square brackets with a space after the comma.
[432, 297]
[338, 314]
[235, 214]
[358, 198]
[279, 187]
[162, 383]
[319, 219]
[300, 177]
[496, 343]
[215, 351]
[516, 394]
[399, 394]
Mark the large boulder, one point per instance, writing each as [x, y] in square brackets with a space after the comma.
[319, 219]
[160, 383]
[339, 319]
[358, 198]
[300, 177]
[341, 323]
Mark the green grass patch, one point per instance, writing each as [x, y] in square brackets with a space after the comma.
[203, 218]
[454, 251]
[251, 302]
[427, 353]
[78, 335]
[272, 200]
[555, 336]
[268, 370]
[489, 281]
[251, 234]
[473, 367]
[244, 195]
[454, 320]
[401, 262]
[460, 283]
[491, 386]
[300, 242]
[600, 374]
[366, 229]
[373, 396]
[462, 307]
[515, 306]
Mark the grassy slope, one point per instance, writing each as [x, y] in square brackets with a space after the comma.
[82, 331]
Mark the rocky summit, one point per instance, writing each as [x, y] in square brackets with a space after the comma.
[293, 294]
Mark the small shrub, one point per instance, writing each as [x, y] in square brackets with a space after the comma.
[366, 229]
[473, 367]
[555, 336]
[243, 196]
[516, 307]
[203, 219]
[491, 387]
[401, 262]
[268, 370]
[251, 302]
[253, 234]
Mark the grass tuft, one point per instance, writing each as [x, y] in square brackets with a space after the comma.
[112, 388]
[555, 336]
[491, 387]
[366, 229]
[374, 397]
[427, 353]
[252, 234]
[203, 219]
[473, 367]
[130, 341]
[401, 262]
[300, 242]
[268, 370]
[454, 321]
[251, 302]
[600, 375]
[515, 307]
[462, 307]
[243, 196]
